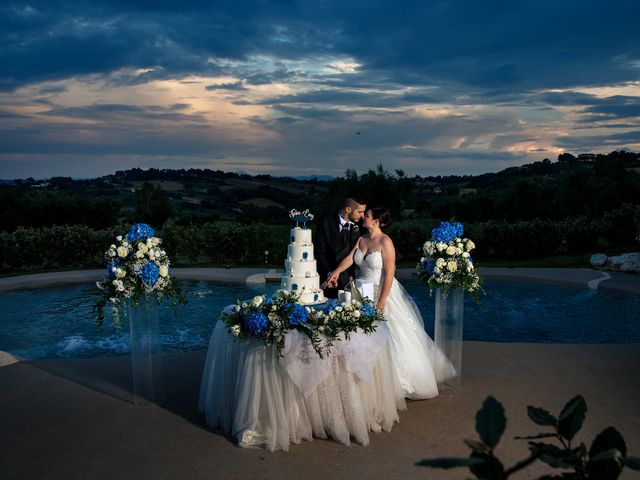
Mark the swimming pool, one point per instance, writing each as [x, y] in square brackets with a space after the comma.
[57, 322]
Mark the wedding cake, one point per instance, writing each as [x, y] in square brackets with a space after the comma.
[300, 267]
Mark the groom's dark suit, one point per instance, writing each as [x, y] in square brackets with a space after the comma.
[331, 246]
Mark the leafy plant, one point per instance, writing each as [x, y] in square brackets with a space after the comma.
[605, 459]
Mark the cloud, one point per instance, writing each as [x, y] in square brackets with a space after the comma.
[286, 85]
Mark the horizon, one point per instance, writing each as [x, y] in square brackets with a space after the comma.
[305, 89]
[299, 177]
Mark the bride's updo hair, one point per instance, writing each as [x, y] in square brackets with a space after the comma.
[382, 215]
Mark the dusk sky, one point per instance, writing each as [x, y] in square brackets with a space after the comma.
[306, 88]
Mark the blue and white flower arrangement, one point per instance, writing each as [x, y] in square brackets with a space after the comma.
[137, 267]
[446, 262]
[269, 318]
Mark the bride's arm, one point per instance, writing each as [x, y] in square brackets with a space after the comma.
[389, 267]
[342, 266]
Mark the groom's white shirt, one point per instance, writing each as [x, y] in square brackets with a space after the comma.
[344, 222]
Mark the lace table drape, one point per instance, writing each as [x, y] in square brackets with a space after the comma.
[270, 403]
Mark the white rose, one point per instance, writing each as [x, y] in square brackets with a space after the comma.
[237, 308]
[143, 247]
[451, 250]
[338, 309]
[436, 270]
[112, 247]
[257, 301]
[139, 254]
[458, 251]
[440, 262]
[459, 245]
[112, 253]
[164, 270]
[235, 330]
[121, 273]
[429, 248]
[470, 245]
[452, 266]
[119, 238]
[441, 246]
[122, 252]
[466, 255]
[356, 314]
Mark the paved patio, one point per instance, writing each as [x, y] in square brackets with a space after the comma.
[74, 418]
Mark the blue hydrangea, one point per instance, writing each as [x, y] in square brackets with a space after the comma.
[140, 230]
[447, 231]
[367, 309]
[149, 273]
[430, 266]
[110, 266]
[256, 322]
[298, 315]
[268, 300]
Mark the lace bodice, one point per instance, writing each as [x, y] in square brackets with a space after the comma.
[370, 265]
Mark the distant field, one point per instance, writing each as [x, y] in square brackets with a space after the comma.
[167, 185]
[238, 182]
[261, 202]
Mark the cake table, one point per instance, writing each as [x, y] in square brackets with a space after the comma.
[269, 402]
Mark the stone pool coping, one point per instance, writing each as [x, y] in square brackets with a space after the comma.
[590, 278]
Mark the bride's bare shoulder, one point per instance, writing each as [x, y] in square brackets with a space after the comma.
[386, 240]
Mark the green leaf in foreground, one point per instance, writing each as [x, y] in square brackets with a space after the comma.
[491, 421]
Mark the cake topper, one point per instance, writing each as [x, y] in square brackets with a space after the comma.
[301, 217]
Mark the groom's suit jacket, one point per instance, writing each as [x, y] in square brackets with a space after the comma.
[331, 246]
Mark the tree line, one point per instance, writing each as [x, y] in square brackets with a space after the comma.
[571, 205]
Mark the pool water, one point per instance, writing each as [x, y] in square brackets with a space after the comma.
[57, 322]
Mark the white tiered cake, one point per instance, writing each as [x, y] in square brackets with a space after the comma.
[300, 270]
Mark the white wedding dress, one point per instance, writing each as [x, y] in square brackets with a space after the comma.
[419, 364]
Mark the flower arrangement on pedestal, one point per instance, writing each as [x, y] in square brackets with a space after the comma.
[446, 262]
[137, 267]
[269, 318]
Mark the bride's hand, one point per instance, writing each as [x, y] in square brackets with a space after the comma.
[332, 280]
[382, 302]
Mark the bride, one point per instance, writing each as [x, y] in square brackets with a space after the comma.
[413, 351]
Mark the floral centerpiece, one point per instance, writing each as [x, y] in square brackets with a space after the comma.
[269, 318]
[137, 267]
[446, 262]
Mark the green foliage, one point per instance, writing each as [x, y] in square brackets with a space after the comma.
[75, 246]
[68, 247]
[152, 205]
[605, 460]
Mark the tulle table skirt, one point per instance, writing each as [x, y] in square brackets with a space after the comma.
[268, 402]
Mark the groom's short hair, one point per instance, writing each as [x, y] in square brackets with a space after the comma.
[353, 202]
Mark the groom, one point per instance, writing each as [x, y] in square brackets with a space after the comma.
[336, 235]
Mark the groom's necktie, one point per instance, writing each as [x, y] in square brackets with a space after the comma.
[344, 233]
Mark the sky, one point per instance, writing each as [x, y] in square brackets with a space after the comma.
[313, 87]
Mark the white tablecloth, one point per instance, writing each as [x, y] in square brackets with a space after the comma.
[266, 402]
